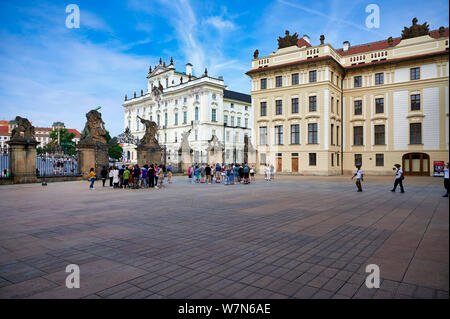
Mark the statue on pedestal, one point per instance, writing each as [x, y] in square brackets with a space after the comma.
[94, 130]
[151, 129]
[23, 132]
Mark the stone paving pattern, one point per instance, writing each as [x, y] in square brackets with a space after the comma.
[295, 237]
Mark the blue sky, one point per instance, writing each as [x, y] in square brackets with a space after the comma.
[51, 73]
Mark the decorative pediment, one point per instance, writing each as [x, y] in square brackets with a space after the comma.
[416, 30]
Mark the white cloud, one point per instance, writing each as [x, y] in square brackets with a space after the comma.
[220, 23]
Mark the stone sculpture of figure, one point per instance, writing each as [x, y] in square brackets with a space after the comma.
[288, 40]
[185, 140]
[256, 54]
[322, 39]
[94, 130]
[24, 131]
[151, 130]
[416, 30]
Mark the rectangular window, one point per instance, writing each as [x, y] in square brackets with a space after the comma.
[166, 120]
[379, 78]
[295, 105]
[176, 118]
[358, 159]
[263, 135]
[263, 83]
[312, 133]
[312, 103]
[246, 123]
[294, 78]
[214, 115]
[232, 121]
[239, 121]
[379, 159]
[337, 136]
[332, 134]
[225, 119]
[313, 76]
[312, 159]
[337, 107]
[278, 107]
[358, 138]
[262, 159]
[263, 108]
[184, 117]
[332, 105]
[295, 134]
[332, 159]
[232, 105]
[415, 102]
[379, 135]
[379, 105]
[358, 81]
[279, 134]
[415, 133]
[358, 107]
[415, 73]
[337, 159]
[279, 81]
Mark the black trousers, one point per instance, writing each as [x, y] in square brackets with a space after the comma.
[110, 181]
[398, 181]
[446, 184]
[151, 181]
[103, 181]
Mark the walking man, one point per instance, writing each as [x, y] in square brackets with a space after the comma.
[398, 178]
[359, 177]
[446, 179]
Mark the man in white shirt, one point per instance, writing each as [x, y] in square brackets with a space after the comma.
[398, 178]
[359, 177]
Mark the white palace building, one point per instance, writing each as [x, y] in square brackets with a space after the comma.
[179, 102]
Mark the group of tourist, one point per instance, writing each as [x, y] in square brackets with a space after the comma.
[228, 174]
[134, 177]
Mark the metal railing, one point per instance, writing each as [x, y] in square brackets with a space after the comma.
[48, 165]
[5, 169]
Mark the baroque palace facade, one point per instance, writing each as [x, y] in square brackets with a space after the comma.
[320, 110]
[179, 102]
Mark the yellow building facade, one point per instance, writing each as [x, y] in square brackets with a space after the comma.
[320, 110]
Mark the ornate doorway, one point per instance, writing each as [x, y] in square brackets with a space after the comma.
[416, 164]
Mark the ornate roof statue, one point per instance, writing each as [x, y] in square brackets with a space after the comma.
[322, 39]
[94, 129]
[256, 54]
[24, 131]
[288, 40]
[416, 30]
[151, 129]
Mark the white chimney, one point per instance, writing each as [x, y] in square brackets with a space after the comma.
[346, 46]
[306, 38]
[188, 69]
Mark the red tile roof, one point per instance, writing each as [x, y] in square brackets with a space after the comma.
[4, 131]
[383, 44]
[302, 42]
[74, 131]
[4, 123]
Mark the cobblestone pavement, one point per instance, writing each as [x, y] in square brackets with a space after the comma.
[295, 237]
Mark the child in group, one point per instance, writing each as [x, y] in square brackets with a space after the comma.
[92, 178]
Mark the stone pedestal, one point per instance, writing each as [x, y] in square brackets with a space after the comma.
[185, 158]
[92, 156]
[148, 155]
[23, 161]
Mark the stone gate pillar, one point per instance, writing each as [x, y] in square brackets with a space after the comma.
[23, 161]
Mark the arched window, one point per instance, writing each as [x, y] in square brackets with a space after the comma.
[196, 113]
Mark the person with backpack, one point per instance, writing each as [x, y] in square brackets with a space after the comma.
[121, 176]
[208, 174]
[145, 176]
[126, 178]
[151, 176]
[169, 174]
[218, 172]
[246, 170]
[398, 178]
[359, 177]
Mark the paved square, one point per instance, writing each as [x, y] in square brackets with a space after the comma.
[295, 237]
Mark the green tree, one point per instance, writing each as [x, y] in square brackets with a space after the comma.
[116, 152]
[65, 140]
